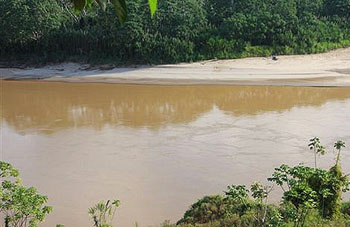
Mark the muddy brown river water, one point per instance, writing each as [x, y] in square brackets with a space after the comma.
[159, 148]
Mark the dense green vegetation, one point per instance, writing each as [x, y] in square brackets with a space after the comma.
[311, 197]
[20, 206]
[190, 30]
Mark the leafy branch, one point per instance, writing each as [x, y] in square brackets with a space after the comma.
[20, 206]
[103, 213]
[120, 7]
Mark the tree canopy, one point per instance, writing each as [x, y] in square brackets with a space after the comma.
[119, 6]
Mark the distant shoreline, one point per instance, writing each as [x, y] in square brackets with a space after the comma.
[327, 69]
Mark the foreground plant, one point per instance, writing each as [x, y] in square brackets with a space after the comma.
[19, 205]
[311, 197]
[261, 194]
[103, 213]
[338, 146]
[307, 188]
[318, 149]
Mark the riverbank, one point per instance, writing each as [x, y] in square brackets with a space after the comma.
[327, 69]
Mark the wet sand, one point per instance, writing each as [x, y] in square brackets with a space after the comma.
[328, 69]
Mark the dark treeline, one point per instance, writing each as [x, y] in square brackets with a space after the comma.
[181, 30]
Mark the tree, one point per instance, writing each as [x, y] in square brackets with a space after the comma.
[28, 20]
[338, 146]
[339, 8]
[119, 6]
[19, 205]
[316, 146]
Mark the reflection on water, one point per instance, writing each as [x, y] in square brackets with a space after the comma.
[50, 107]
[159, 148]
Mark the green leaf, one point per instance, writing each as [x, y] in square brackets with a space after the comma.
[153, 6]
[116, 203]
[79, 5]
[89, 3]
[120, 9]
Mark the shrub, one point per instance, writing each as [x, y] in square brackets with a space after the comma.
[207, 209]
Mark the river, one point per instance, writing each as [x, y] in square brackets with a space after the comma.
[159, 148]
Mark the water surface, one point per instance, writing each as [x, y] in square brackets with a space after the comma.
[159, 148]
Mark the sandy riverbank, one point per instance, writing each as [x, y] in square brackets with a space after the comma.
[328, 69]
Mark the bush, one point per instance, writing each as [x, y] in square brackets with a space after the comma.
[207, 209]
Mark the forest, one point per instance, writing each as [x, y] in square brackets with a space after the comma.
[37, 31]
